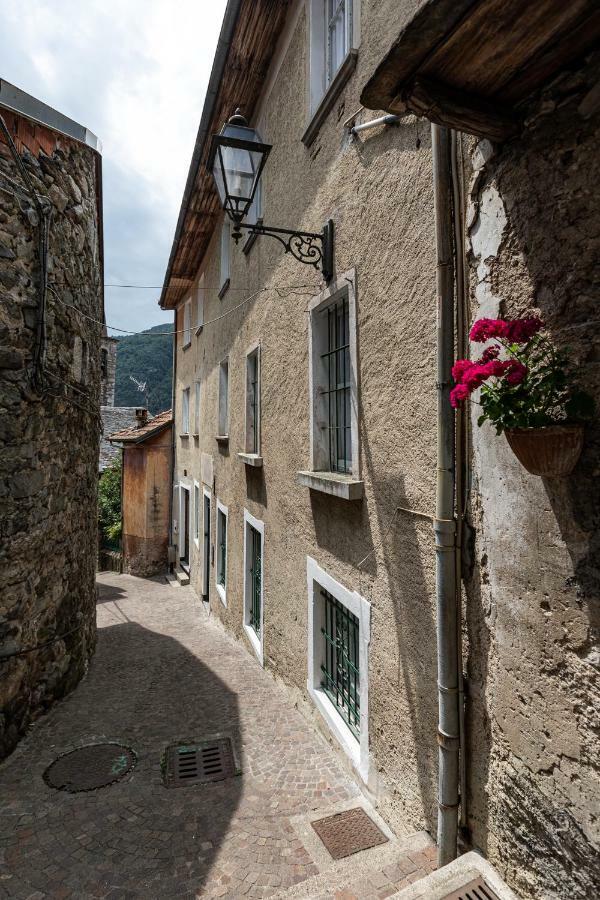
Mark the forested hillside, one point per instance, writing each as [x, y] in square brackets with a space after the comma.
[148, 358]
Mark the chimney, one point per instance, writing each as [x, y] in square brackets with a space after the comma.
[141, 416]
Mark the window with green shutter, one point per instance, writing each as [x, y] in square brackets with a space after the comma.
[340, 670]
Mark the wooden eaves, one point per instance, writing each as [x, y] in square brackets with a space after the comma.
[245, 49]
[471, 64]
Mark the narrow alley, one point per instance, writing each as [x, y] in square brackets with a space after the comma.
[163, 673]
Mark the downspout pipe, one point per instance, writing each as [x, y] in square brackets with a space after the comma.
[444, 523]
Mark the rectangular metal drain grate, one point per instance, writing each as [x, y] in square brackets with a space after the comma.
[206, 761]
[474, 890]
[349, 832]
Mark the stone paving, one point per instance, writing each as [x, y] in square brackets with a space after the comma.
[163, 673]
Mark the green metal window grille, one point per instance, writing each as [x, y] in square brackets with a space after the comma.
[340, 670]
[222, 567]
[253, 381]
[255, 580]
[337, 392]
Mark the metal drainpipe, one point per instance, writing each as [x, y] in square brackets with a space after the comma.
[444, 523]
[173, 388]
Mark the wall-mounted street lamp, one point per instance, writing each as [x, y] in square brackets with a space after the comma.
[237, 158]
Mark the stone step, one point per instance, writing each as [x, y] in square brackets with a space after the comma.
[172, 580]
[453, 877]
[182, 576]
[371, 874]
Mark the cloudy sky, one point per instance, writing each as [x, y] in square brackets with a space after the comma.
[135, 73]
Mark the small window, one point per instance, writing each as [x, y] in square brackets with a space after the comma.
[187, 323]
[225, 256]
[104, 362]
[185, 411]
[200, 303]
[196, 514]
[221, 567]
[224, 399]
[254, 217]
[197, 408]
[253, 402]
[340, 669]
[331, 40]
[336, 364]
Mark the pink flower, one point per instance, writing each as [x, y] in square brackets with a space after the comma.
[515, 371]
[458, 394]
[519, 331]
[490, 353]
[484, 329]
[460, 367]
[479, 372]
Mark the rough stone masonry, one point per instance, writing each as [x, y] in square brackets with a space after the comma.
[48, 432]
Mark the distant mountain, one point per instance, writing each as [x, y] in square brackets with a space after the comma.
[147, 357]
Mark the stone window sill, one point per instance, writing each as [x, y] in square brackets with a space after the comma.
[184, 434]
[224, 288]
[186, 346]
[251, 459]
[222, 438]
[343, 486]
[199, 329]
[331, 94]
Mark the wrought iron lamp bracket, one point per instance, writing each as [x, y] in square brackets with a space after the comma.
[308, 247]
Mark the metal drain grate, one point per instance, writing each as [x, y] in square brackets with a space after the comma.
[474, 890]
[349, 832]
[90, 767]
[210, 760]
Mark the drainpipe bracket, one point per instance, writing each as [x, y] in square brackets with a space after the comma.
[448, 741]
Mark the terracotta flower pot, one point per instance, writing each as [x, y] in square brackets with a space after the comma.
[549, 451]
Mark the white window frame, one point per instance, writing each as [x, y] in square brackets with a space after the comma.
[197, 517]
[205, 569]
[256, 643]
[357, 749]
[221, 591]
[321, 75]
[185, 411]
[223, 409]
[225, 256]
[187, 324]
[200, 301]
[254, 216]
[345, 485]
[197, 402]
[250, 442]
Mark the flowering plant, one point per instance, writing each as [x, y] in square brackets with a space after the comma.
[529, 388]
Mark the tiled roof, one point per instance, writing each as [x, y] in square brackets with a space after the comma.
[141, 433]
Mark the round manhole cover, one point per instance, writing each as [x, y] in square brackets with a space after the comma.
[90, 767]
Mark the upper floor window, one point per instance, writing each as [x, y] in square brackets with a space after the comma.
[224, 399]
[185, 411]
[253, 402]
[200, 303]
[104, 362]
[331, 39]
[225, 255]
[255, 214]
[187, 323]
[197, 408]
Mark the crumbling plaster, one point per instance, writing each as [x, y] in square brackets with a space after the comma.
[533, 597]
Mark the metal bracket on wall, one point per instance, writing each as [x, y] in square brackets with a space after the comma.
[309, 247]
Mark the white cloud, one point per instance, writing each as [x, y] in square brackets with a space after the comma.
[135, 72]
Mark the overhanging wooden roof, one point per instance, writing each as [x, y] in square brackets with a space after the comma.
[470, 64]
[247, 43]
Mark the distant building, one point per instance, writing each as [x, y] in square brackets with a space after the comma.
[114, 418]
[51, 297]
[146, 497]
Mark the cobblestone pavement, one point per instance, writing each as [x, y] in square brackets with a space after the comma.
[164, 673]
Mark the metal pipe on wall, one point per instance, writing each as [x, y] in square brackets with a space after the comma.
[444, 523]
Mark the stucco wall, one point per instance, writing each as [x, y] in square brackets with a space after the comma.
[533, 599]
[48, 436]
[378, 191]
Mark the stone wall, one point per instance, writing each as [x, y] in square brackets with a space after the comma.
[48, 434]
[114, 418]
[533, 600]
